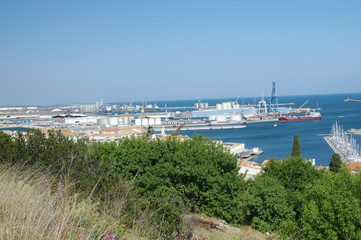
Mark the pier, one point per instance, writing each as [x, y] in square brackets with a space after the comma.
[343, 144]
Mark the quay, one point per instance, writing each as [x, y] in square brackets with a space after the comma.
[214, 107]
[200, 127]
[175, 108]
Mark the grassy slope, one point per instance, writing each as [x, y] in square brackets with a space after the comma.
[34, 208]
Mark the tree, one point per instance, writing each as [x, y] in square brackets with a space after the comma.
[7, 148]
[296, 147]
[294, 173]
[330, 210]
[268, 206]
[148, 132]
[336, 163]
[197, 173]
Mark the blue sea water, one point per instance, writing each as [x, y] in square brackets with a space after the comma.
[277, 141]
[20, 129]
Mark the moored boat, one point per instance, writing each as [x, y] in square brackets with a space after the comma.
[309, 117]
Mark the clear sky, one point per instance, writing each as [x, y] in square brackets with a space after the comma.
[78, 51]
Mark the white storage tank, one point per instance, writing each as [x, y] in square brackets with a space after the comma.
[126, 121]
[158, 121]
[221, 118]
[212, 117]
[114, 121]
[121, 121]
[145, 122]
[236, 118]
[151, 121]
[138, 122]
[103, 121]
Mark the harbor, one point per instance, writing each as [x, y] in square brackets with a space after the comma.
[260, 129]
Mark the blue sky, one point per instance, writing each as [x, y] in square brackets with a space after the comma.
[59, 52]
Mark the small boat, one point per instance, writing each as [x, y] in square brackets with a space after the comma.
[308, 117]
[275, 125]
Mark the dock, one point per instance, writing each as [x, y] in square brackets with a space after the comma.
[175, 108]
[201, 127]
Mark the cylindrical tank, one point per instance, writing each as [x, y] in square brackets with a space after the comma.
[221, 118]
[151, 121]
[114, 121]
[126, 120]
[158, 121]
[145, 122]
[236, 118]
[138, 122]
[121, 121]
[103, 121]
[212, 117]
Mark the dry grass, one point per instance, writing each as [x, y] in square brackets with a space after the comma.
[30, 210]
[241, 234]
[220, 230]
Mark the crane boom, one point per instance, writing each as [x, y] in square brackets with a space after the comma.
[299, 109]
[175, 132]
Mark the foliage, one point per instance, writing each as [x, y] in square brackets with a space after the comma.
[268, 206]
[323, 205]
[336, 163]
[296, 147]
[293, 173]
[278, 193]
[330, 210]
[147, 184]
[196, 174]
[91, 177]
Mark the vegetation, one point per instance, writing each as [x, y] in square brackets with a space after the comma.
[139, 187]
[297, 201]
[336, 163]
[196, 174]
[33, 207]
[296, 147]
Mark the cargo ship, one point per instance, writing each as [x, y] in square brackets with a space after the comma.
[308, 117]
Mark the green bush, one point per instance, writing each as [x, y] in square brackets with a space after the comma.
[197, 174]
[330, 210]
[268, 205]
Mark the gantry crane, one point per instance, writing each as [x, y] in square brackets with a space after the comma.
[273, 100]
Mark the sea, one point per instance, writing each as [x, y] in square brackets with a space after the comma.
[276, 142]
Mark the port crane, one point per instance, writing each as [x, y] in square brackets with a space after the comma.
[298, 110]
[175, 132]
